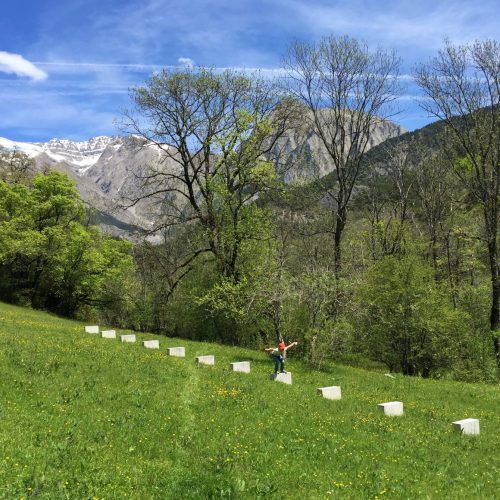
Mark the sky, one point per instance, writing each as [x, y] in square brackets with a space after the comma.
[67, 66]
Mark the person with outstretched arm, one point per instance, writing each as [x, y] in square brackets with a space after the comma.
[278, 355]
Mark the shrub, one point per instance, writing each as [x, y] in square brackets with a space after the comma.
[407, 320]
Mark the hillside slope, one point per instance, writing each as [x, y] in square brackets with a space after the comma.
[427, 137]
[85, 417]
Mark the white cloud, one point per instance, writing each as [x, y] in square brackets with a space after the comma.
[186, 62]
[68, 67]
[18, 65]
[407, 25]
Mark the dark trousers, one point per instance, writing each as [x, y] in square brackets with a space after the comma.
[279, 362]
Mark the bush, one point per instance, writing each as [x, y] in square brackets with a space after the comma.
[407, 319]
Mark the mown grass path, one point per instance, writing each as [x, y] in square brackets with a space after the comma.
[86, 417]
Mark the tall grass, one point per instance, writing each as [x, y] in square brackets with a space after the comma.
[86, 417]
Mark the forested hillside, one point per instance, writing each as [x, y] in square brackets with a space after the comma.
[390, 259]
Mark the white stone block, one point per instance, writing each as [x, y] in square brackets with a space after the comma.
[128, 338]
[392, 408]
[205, 360]
[285, 378]
[179, 352]
[468, 426]
[240, 366]
[151, 344]
[92, 329]
[109, 334]
[332, 392]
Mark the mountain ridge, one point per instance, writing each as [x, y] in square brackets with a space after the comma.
[109, 170]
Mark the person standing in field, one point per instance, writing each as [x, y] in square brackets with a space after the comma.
[278, 355]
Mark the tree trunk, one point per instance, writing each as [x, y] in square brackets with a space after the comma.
[434, 254]
[340, 221]
[491, 228]
[495, 294]
[276, 315]
[450, 272]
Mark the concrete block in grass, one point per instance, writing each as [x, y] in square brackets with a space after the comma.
[393, 408]
[179, 352]
[151, 344]
[128, 338]
[205, 360]
[469, 426]
[332, 392]
[240, 366]
[92, 329]
[108, 334]
[285, 378]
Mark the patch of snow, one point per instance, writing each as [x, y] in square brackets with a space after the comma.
[83, 170]
[54, 156]
[24, 147]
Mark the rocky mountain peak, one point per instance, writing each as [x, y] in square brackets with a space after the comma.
[80, 155]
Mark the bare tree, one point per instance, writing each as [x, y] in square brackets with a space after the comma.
[215, 130]
[15, 166]
[389, 196]
[434, 196]
[347, 91]
[462, 85]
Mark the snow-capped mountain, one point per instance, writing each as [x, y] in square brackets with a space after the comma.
[82, 155]
[106, 171]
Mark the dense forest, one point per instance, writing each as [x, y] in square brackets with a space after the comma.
[391, 259]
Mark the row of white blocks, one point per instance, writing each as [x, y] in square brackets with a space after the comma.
[469, 426]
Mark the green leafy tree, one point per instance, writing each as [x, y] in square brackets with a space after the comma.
[462, 84]
[216, 129]
[407, 320]
[16, 167]
[47, 257]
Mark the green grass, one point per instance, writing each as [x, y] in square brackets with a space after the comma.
[86, 417]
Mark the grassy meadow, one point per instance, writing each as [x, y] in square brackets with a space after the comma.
[86, 417]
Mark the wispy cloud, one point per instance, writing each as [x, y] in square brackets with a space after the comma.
[404, 25]
[89, 67]
[18, 65]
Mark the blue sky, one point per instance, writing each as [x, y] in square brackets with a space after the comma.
[66, 66]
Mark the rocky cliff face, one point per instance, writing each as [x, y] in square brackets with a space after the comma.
[303, 156]
[109, 171]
